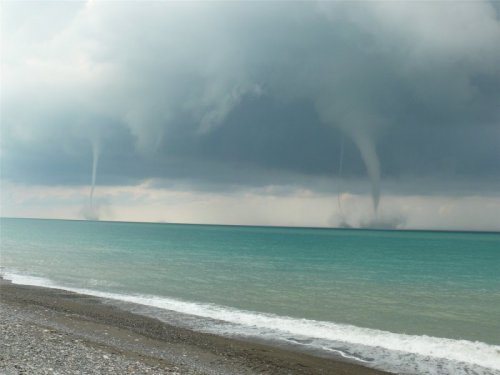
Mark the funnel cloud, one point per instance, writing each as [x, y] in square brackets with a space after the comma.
[91, 210]
[241, 97]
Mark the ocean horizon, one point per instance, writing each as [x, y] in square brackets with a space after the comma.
[264, 226]
[425, 302]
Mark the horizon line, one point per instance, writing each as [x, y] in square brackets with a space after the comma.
[266, 226]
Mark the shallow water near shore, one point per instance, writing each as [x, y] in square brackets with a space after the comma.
[419, 302]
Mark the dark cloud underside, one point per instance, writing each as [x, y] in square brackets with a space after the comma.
[250, 94]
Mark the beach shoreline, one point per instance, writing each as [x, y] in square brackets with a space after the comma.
[55, 331]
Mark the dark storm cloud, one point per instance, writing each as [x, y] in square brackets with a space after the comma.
[251, 94]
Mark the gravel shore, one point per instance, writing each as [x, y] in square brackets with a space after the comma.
[50, 331]
[30, 347]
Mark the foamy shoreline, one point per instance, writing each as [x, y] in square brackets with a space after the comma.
[102, 338]
[387, 351]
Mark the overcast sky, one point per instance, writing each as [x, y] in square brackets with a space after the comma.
[362, 114]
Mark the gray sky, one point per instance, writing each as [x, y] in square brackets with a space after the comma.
[208, 110]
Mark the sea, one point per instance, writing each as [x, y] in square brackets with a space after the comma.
[409, 302]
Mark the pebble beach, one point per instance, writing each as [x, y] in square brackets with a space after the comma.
[50, 331]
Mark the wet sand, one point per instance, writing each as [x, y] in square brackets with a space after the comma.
[58, 332]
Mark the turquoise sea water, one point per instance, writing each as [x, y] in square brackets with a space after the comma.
[342, 291]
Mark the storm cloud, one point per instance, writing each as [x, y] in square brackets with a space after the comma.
[245, 95]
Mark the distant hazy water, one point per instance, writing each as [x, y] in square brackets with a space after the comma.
[323, 288]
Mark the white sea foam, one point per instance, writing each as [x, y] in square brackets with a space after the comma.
[389, 351]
